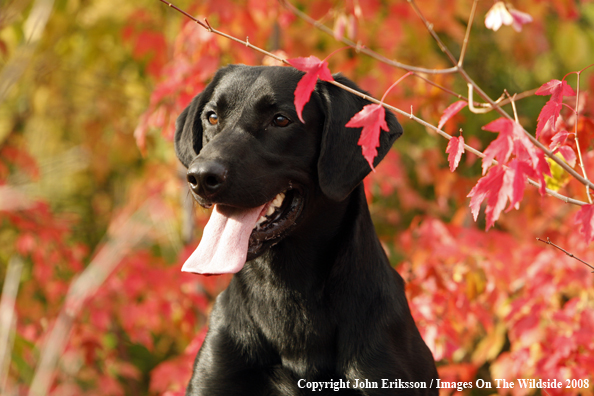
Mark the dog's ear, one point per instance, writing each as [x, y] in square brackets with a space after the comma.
[188, 126]
[341, 165]
[188, 131]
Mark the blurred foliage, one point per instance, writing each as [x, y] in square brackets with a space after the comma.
[85, 140]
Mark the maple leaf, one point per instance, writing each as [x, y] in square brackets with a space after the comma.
[568, 154]
[557, 89]
[455, 149]
[500, 148]
[550, 112]
[519, 171]
[372, 118]
[558, 140]
[495, 189]
[314, 68]
[451, 111]
[542, 168]
[585, 217]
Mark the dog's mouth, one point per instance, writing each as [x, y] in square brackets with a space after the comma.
[276, 219]
[233, 236]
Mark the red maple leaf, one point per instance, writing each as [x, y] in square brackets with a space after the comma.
[518, 170]
[500, 148]
[585, 217]
[451, 111]
[313, 68]
[501, 183]
[372, 118]
[495, 188]
[455, 149]
[568, 154]
[557, 89]
[558, 140]
[550, 112]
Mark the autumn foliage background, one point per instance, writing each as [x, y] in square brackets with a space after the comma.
[95, 219]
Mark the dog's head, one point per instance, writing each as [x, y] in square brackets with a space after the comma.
[250, 157]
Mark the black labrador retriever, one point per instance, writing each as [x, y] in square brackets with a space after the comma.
[314, 306]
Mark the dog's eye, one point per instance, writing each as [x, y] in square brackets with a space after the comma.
[280, 121]
[213, 119]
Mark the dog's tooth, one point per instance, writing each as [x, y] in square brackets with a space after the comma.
[278, 200]
[270, 210]
[260, 221]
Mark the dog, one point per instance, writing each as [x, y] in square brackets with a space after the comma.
[314, 306]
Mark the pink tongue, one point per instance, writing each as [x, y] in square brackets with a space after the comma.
[224, 244]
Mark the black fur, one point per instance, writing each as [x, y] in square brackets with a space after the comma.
[322, 303]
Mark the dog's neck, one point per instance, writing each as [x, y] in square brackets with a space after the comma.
[308, 257]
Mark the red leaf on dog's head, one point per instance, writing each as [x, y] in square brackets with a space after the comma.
[455, 149]
[585, 217]
[372, 118]
[313, 68]
[451, 111]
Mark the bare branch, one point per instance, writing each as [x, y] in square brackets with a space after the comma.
[548, 242]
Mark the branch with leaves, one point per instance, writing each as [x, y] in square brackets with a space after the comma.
[504, 174]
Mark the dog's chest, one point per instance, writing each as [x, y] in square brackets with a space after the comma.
[297, 327]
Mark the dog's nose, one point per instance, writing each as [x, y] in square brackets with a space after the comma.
[206, 178]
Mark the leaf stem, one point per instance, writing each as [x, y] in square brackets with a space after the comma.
[393, 85]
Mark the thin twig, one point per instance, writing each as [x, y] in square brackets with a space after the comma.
[577, 142]
[467, 35]
[548, 242]
[513, 103]
[483, 110]
[432, 32]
